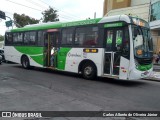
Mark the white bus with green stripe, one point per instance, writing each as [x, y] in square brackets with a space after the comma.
[116, 47]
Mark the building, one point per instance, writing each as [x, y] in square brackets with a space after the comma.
[155, 24]
[145, 9]
[138, 8]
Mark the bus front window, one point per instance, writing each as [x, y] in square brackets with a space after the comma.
[142, 42]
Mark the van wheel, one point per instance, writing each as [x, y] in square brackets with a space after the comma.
[89, 71]
[25, 62]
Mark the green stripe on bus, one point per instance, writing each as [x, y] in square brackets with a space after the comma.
[62, 56]
[144, 67]
[113, 25]
[36, 53]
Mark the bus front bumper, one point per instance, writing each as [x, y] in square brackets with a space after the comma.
[136, 74]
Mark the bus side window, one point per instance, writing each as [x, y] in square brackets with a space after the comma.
[41, 38]
[18, 38]
[32, 38]
[67, 36]
[86, 36]
[26, 38]
[8, 39]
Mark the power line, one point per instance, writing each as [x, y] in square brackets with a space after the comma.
[60, 10]
[24, 5]
[36, 4]
[63, 16]
[44, 2]
[66, 16]
[69, 15]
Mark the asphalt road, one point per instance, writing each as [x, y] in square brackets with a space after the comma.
[48, 90]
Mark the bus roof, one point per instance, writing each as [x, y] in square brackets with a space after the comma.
[52, 25]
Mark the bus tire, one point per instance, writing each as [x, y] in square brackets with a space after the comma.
[25, 62]
[89, 71]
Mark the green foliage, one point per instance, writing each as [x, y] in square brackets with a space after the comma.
[1, 38]
[50, 15]
[23, 20]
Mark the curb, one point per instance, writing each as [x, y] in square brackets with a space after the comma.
[152, 79]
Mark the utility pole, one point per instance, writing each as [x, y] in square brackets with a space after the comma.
[94, 15]
[149, 16]
[2, 15]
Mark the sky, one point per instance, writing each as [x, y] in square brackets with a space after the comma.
[68, 10]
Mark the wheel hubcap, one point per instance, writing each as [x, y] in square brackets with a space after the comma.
[88, 70]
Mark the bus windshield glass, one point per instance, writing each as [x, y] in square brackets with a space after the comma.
[142, 42]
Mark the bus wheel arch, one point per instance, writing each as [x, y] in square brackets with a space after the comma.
[88, 69]
[25, 61]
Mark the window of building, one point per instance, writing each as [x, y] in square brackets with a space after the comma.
[67, 36]
[155, 14]
[86, 36]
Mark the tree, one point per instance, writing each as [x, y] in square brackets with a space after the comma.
[23, 20]
[50, 15]
[1, 38]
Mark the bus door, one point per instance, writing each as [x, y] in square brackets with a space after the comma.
[52, 43]
[113, 41]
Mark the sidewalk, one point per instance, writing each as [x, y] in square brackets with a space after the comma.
[155, 76]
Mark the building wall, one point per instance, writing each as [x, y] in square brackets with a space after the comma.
[121, 4]
[141, 11]
[115, 4]
[156, 41]
[139, 2]
[105, 7]
[155, 24]
[156, 44]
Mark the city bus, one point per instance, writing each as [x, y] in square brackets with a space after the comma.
[118, 47]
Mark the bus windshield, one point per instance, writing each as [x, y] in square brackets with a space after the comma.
[142, 42]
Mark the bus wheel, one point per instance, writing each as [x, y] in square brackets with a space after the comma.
[25, 62]
[89, 71]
